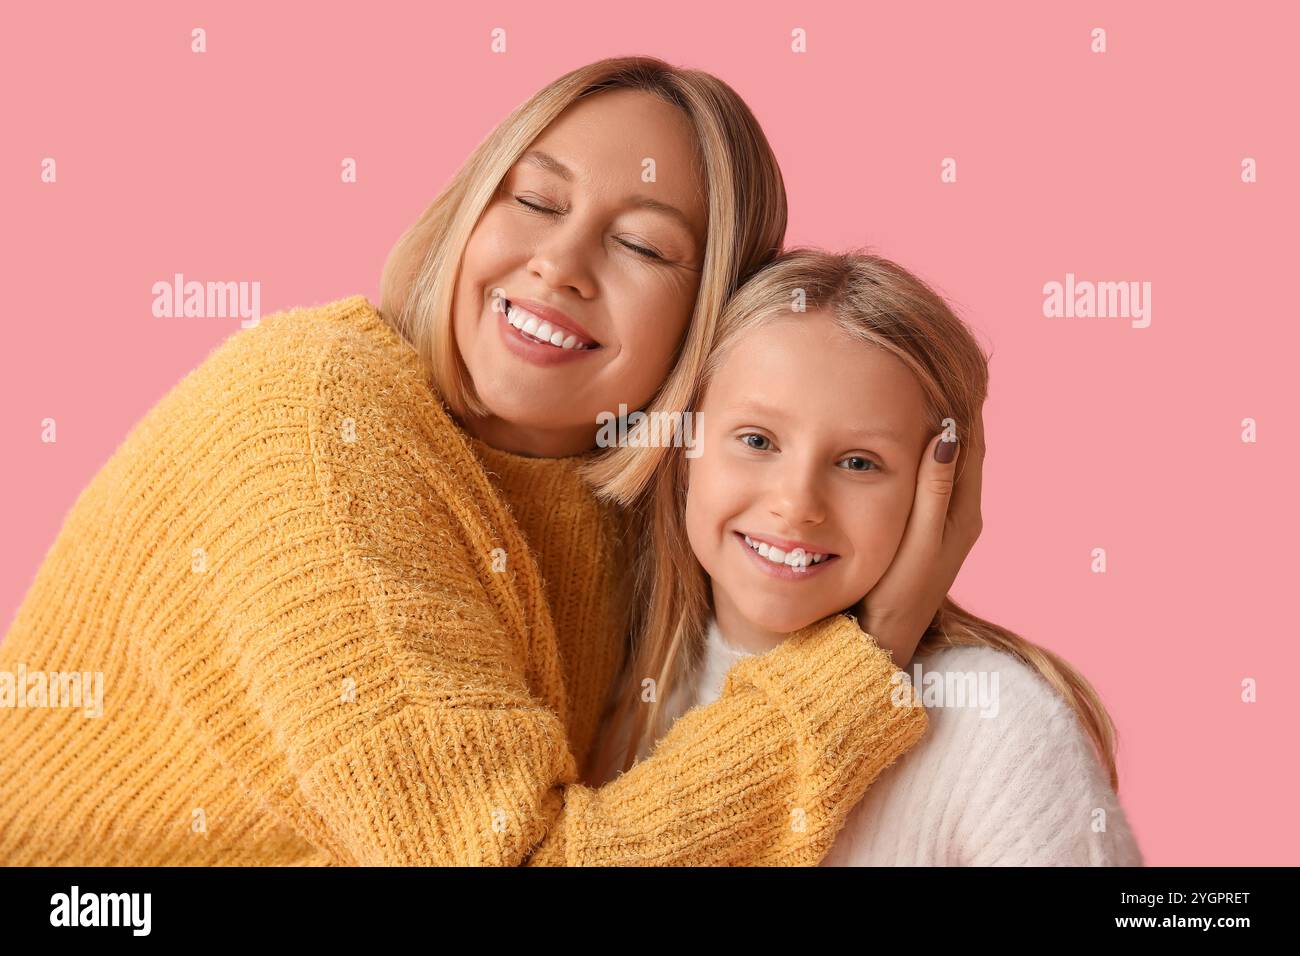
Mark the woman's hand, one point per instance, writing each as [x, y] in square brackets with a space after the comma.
[943, 527]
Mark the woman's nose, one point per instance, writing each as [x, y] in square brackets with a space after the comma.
[564, 261]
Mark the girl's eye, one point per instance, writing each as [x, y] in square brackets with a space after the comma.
[862, 462]
[753, 435]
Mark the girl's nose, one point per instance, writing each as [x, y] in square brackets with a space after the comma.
[797, 497]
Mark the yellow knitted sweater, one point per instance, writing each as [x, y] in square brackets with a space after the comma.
[332, 628]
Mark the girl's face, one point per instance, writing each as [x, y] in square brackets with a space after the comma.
[576, 228]
[812, 440]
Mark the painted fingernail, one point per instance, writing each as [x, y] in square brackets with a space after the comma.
[945, 450]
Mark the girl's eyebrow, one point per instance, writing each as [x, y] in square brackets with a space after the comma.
[753, 405]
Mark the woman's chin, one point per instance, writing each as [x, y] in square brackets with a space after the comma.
[525, 407]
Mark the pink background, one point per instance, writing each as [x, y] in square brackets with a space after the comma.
[1120, 166]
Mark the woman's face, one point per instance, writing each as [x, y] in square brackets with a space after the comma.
[811, 439]
[603, 220]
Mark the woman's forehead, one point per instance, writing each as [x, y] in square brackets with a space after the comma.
[630, 141]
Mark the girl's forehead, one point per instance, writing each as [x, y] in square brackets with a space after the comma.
[796, 343]
[807, 371]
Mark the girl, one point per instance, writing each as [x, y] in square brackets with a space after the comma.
[828, 376]
[351, 593]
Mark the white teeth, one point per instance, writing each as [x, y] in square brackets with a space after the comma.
[798, 559]
[540, 330]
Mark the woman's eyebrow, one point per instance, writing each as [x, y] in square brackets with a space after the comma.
[550, 164]
[655, 205]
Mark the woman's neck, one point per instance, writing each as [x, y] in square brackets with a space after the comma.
[529, 441]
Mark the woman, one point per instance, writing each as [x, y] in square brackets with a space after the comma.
[342, 623]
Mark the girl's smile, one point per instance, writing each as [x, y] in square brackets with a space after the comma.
[798, 564]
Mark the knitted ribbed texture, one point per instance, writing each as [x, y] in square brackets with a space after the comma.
[579, 545]
[1019, 787]
[325, 640]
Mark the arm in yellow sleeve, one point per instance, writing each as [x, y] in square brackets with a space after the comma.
[766, 775]
[387, 692]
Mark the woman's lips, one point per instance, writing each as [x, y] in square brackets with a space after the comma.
[783, 572]
[533, 351]
[559, 320]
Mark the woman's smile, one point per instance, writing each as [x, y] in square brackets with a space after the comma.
[529, 347]
[543, 322]
[594, 259]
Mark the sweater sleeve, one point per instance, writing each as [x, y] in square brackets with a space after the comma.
[394, 689]
[766, 775]
[1041, 796]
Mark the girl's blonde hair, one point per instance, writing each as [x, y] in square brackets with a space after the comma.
[746, 204]
[878, 303]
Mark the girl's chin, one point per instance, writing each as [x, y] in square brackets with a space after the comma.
[780, 620]
[774, 605]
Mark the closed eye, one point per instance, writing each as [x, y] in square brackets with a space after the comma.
[536, 208]
[548, 211]
[641, 251]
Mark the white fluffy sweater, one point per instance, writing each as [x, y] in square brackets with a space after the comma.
[1021, 786]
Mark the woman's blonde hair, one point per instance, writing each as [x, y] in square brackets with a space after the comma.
[878, 303]
[746, 203]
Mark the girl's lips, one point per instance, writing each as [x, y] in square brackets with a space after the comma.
[783, 572]
[530, 350]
